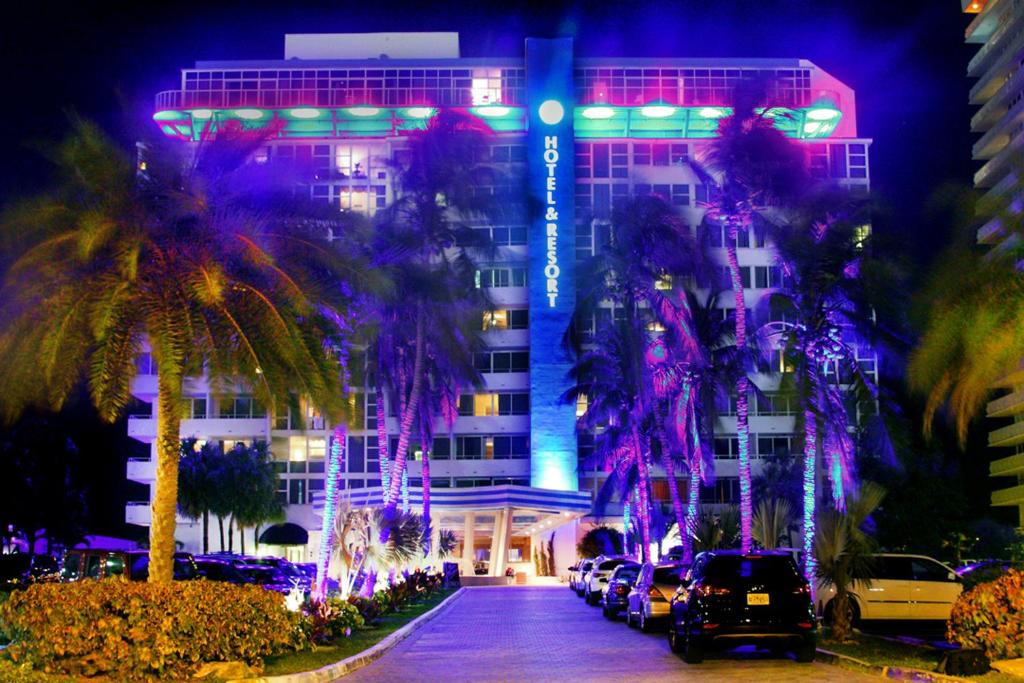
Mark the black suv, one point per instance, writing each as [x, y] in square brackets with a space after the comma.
[729, 598]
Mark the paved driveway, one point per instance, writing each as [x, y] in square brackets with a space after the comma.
[548, 634]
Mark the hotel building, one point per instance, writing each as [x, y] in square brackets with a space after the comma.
[998, 29]
[587, 133]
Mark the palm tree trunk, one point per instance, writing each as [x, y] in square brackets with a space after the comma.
[645, 507]
[670, 470]
[693, 498]
[742, 387]
[426, 497]
[810, 495]
[165, 489]
[220, 525]
[206, 531]
[231, 534]
[408, 413]
[241, 539]
[336, 457]
[383, 448]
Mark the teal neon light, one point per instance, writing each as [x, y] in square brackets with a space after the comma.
[656, 120]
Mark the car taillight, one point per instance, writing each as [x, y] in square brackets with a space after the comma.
[653, 592]
[802, 590]
[706, 590]
[621, 590]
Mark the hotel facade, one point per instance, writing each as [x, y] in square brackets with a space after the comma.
[585, 134]
[998, 29]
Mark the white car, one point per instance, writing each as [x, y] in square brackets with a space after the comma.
[598, 576]
[650, 598]
[577, 578]
[899, 587]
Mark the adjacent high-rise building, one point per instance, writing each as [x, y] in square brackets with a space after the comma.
[998, 67]
[585, 134]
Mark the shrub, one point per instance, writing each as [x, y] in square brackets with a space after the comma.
[330, 619]
[990, 616]
[368, 608]
[601, 540]
[128, 630]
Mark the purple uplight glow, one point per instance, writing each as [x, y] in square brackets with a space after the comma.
[331, 488]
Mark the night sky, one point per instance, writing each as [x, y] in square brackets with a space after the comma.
[905, 59]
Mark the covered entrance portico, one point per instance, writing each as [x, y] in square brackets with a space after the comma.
[496, 525]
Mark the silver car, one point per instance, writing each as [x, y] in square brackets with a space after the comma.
[580, 575]
[649, 600]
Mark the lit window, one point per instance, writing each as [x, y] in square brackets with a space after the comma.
[663, 283]
[486, 86]
[495, 320]
[581, 405]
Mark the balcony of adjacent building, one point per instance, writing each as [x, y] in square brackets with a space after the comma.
[1000, 165]
[996, 107]
[1008, 405]
[1000, 135]
[143, 428]
[1010, 435]
[1000, 48]
[142, 514]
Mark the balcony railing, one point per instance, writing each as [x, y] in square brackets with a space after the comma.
[1007, 467]
[1010, 496]
[993, 47]
[1006, 405]
[1010, 435]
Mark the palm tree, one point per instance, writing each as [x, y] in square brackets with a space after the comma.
[773, 520]
[648, 246]
[972, 341]
[613, 377]
[826, 304]
[197, 483]
[843, 548]
[435, 314]
[183, 259]
[756, 167]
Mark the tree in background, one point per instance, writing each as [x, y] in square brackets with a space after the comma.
[184, 258]
[41, 468]
[256, 483]
[600, 540]
[198, 489]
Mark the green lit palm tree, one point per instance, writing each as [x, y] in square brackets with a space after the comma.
[185, 259]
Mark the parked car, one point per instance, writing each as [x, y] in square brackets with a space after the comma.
[899, 587]
[289, 571]
[648, 601]
[98, 563]
[217, 569]
[615, 592]
[597, 578]
[19, 570]
[729, 598]
[582, 569]
[268, 577]
[674, 554]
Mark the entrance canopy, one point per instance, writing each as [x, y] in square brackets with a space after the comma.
[478, 498]
[284, 534]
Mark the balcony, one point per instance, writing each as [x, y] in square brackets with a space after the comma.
[998, 136]
[1011, 435]
[1012, 466]
[994, 109]
[141, 469]
[144, 387]
[1005, 406]
[1011, 497]
[998, 166]
[141, 514]
[143, 428]
[1003, 40]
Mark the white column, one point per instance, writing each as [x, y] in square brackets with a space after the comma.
[467, 544]
[495, 567]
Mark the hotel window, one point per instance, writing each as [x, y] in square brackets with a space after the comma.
[767, 277]
[489, 404]
[725, 490]
[241, 407]
[818, 161]
[501, 277]
[486, 86]
[726, 448]
[502, 361]
[195, 407]
[582, 157]
[837, 161]
[620, 160]
[858, 160]
[506, 319]
[510, 447]
[353, 198]
[145, 364]
[353, 161]
[774, 446]
[774, 404]
[469, 448]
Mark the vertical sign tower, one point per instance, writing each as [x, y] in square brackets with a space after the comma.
[551, 173]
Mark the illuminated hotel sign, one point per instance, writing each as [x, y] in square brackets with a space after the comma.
[552, 297]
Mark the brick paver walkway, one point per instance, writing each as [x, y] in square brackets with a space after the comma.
[548, 634]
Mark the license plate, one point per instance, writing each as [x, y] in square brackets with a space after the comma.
[757, 598]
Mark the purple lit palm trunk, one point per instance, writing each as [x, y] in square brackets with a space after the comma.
[696, 475]
[742, 387]
[424, 442]
[382, 441]
[810, 494]
[645, 508]
[670, 474]
[408, 415]
[336, 456]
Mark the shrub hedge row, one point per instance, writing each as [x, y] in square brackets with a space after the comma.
[990, 616]
[132, 631]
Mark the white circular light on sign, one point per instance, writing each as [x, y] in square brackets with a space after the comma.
[551, 112]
